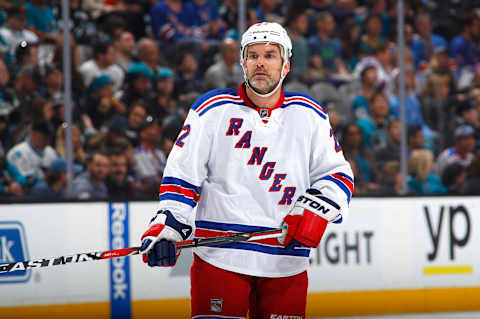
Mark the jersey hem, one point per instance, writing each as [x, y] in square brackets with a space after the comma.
[242, 270]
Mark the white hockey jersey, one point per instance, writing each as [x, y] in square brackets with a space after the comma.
[243, 167]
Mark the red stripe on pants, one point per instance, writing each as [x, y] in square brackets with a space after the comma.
[213, 288]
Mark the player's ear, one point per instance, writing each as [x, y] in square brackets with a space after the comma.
[286, 68]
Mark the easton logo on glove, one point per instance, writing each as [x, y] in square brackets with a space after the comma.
[308, 219]
[313, 204]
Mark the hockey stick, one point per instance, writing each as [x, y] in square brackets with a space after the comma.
[99, 255]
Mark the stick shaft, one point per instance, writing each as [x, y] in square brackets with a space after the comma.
[115, 253]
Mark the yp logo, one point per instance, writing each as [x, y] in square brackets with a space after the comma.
[13, 247]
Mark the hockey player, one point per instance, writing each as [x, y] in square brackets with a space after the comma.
[251, 159]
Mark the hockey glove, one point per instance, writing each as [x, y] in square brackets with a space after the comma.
[158, 246]
[308, 219]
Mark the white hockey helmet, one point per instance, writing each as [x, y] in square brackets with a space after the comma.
[267, 32]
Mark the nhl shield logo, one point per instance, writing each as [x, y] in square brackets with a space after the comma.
[216, 305]
[263, 113]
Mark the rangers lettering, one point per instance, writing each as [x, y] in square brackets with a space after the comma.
[234, 128]
[244, 142]
[277, 180]
[257, 155]
[288, 193]
[267, 170]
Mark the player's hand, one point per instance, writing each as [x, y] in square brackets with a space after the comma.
[308, 219]
[158, 246]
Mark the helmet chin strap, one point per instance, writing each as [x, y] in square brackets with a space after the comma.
[247, 83]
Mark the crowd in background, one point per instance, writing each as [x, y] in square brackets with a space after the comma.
[137, 66]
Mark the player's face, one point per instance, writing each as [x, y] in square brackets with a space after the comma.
[263, 66]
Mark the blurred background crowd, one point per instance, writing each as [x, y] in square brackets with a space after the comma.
[137, 66]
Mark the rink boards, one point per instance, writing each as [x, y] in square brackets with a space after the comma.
[405, 255]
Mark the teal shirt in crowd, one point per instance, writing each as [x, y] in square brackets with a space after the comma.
[432, 185]
[42, 20]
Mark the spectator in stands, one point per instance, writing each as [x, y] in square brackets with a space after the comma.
[374, 126]
[382, 61]
[390, 179]
[26, 160]
[355, 151]
[26, 54]
[462, 47]
[39, 109]
[76, 77]
[24, 91]
[360, 103]
[119, 186]
[372, 39]
[136, 117]
[438, 109]
[82, 27]
[297, 27]
[229, 14]
[440, 66]
[378, 7]
[149, 54]
[103, 62]
[460, 153]
[170, 133]
[349, 35]
[97, 8]
[454, 177]
[226, 72]
[187, 79]
[91, 184]
[100, 105]
[207, 19]
[326, 46]
[391, 151]
[138, 84]
[8, 186]
[469, 115]
[267, 10]
[232, 31]
[149, 158]
[421, 179]
[41, 21]
[53, 186]
[424, 41]
[5, 140]
[171, 21]
[472, 182]
[52, 88]
[79, 154]
[415, 138]
[124, 45]
[412, 103]
[14, 32]
[165, 103]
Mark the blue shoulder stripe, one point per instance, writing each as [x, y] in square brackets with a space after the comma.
[290, 94]
[306, 105]
[210, 94]
[218, 104]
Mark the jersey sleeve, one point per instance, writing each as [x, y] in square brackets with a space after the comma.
[186, 167]
[329, 171]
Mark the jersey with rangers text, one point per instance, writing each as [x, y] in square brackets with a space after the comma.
[243, 167]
